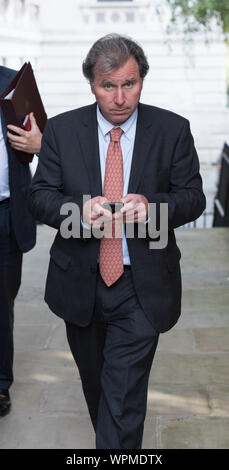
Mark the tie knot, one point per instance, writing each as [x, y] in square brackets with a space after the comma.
[115, 134]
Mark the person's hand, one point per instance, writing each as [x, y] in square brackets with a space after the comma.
[93, 210]
[135, 208]
[26, 141]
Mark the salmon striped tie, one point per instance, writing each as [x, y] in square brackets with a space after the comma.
[110, 258]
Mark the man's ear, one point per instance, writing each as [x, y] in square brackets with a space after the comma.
[92, 88]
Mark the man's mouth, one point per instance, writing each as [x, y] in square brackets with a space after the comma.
[119, 111]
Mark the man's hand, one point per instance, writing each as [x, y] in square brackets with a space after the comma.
[93, 209]
[26, 141]
[135, 208]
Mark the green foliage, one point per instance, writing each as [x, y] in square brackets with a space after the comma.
[197, 14]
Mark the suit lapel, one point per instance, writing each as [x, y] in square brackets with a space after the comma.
[144, 139]
[4, 129]
[90, 148]
[6, 76]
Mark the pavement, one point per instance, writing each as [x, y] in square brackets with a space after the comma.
[188, 400]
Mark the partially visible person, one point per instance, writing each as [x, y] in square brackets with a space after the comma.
[17, 231]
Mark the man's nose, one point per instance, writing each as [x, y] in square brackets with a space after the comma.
[119, 97]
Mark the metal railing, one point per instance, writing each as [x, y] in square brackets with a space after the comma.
[221, 208]
[204, 221]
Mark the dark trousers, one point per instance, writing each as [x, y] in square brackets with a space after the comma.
[10, 279]
[114, 356]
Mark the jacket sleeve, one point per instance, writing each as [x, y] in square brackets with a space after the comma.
[185, 198]
[46, 193]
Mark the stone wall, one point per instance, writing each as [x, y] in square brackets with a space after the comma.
[55, 36]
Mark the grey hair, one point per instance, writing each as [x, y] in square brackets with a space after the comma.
[110, 53]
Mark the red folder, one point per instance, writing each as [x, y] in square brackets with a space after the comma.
[20, 98]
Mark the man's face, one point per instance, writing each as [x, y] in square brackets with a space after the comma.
[118, 92]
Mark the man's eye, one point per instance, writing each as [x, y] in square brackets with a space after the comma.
[129, 84]
[108, 86]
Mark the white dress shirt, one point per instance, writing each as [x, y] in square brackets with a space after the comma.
[127, 145]
[4, 170]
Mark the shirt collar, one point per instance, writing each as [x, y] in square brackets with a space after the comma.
[128, 126]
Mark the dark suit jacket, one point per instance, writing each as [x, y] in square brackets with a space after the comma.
[165, 168]
[22, 222]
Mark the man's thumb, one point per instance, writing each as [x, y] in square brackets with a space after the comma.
[32, 120]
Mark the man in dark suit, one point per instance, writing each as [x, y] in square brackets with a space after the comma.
[17, 231]
[115, 294]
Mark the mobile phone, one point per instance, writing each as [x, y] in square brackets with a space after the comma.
[113, 206]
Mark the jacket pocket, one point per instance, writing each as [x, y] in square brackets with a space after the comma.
[62, 260]
[173, 258]
[5, 222]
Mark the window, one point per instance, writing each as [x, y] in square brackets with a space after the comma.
[129, 16]
[100, 17]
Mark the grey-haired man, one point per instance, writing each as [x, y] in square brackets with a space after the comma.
[116, 297]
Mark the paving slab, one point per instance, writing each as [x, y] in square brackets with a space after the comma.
[219, 400]
[32, 312]
[194, 433]
[204, 297]
[204, 250]
[58, 337]
[150, 433]
[59, 398]
[47, 431]
[26, 397]
[27, 337]
[198, 368]
[177, 340]
[44, 366]
[178, 400]
[212, 339]
[214, 316]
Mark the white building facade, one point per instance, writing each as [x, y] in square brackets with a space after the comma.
[55, 35]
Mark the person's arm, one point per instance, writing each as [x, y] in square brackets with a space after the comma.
[26, 141]
[186, 200]
[185, 197]
[46, 195]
